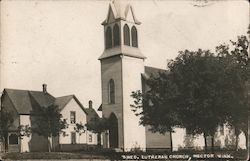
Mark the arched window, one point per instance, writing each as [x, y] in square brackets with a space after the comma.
[13, 139]
[134, 37]
[116, 34]
[108, 38]
[111, 91]
[126, 35]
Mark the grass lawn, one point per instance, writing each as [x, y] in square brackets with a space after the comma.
[240, 155]
[52, 155]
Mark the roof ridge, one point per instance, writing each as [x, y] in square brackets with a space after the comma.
[155, 68]
[21, 90]
[20, 100]
[72, 95]
[11, 101]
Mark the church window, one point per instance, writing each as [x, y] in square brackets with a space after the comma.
[13, 139]
[90, 138]
[134, 37]
[116, 34]
[126, 35]
[72, 117]
[111, 92]
[108, 38]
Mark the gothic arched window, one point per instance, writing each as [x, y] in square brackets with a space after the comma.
[126, 35]
[108, 38]
[134, 37]
[116, 34]
[111, 91]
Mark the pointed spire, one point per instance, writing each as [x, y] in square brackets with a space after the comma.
[120, 9]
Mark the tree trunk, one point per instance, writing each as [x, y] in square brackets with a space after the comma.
[53, 145]
[5, 143]
[50, 143]
[205, 142]
[212, 143]
[171, 141]
[237, 139]
[247, 144]
[99, 140]
[237, 143]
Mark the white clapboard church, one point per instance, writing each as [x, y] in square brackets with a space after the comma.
[123, 71]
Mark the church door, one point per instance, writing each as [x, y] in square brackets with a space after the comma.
[113, 131]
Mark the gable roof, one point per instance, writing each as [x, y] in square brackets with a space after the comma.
[61, 102]
[120, 10]
[23, 99]
[152, 71]
[43, 99]
[91, 114]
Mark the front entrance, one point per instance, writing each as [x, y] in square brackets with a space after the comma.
[13, 143]
[113, 131]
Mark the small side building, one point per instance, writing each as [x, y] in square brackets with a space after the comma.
[74, 113]
[20, 103]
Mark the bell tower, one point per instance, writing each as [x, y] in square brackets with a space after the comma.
[122, 64]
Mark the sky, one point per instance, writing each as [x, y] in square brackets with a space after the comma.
[58, 42]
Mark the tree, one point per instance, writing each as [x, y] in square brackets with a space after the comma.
[185, 96]
[236, 69]
[6, 120]
[24, 130]
[157, 104]
[98, 125]
[200, 91]
[199, 78]
[80, 128]
[48, 123]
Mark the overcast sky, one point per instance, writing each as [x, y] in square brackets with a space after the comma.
[59, 42]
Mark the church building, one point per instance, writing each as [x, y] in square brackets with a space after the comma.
[123, 71]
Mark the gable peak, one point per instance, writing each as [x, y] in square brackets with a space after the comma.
[120, 9]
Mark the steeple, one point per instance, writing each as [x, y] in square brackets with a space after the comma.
[119, 9]
[121, 31]
[122, 64]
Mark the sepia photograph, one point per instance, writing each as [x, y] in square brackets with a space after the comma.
[112, 80]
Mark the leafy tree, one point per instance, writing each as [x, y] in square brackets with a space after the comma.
[80, 128]
[98, 125]
[200, 91]
[158, 104]
[6, 120]
[236, 73]
[198, 77]
[185, 96]
[24, 130]
[48, 123]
